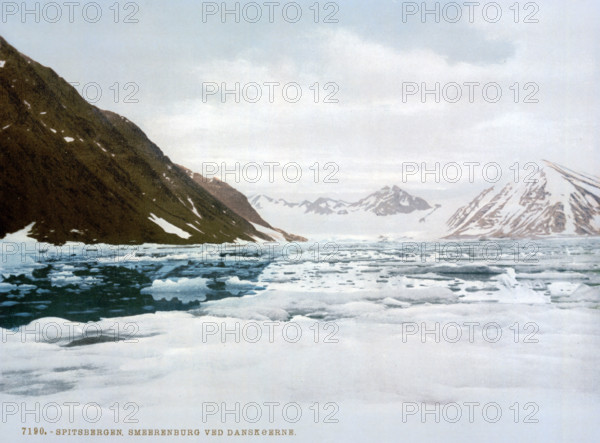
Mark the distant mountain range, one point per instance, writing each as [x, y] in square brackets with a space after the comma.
[77, 173]
[387, 201]
[555, 201]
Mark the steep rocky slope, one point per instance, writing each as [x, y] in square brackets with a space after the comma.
[82, 174]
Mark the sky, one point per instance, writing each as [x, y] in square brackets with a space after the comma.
[368, 123]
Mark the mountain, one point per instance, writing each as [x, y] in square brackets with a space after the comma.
[385, 202]
[78, 173]
[261, 201]
[555, 201]
[390, 201]
[325, 206]
[389, 212]
[238, 202]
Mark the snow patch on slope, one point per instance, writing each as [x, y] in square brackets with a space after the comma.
[277, 236]
[168, 227]
[194, 210]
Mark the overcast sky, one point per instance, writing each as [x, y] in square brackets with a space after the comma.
[371, 53]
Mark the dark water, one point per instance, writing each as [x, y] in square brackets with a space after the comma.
[83, 290]
[80, 287]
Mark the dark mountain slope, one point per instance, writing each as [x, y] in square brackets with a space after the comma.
[82, 174]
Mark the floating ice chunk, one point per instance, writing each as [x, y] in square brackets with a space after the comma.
[435, 294]
[583, 293]
[69, 139]
[246, 308]
[168, 227]
[6, 287]
[468, 269]
[2, 63]
[53, 130]
[235, 284]
[185, 289]
[396, 303]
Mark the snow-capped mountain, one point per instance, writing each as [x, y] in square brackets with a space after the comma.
[385, 202]
[554, 201]
[390, 212]
[390, 201]
[322, 205]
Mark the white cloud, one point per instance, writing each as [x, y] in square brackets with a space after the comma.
[371, 116]
[369, 54]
